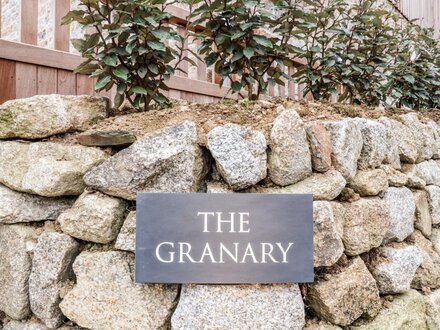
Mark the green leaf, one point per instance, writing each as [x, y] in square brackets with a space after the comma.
[142, 72]
[139, 90]
[121, 72]
[236, 86]
[248, 52]
[153, 68]
[156, 45]
[263, 41]
[101, 83]
[409, 79]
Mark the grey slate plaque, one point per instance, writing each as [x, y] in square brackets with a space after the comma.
[224, 238]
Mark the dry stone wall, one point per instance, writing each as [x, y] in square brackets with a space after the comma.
[67, 219]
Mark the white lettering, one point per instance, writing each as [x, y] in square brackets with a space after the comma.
[171, 253]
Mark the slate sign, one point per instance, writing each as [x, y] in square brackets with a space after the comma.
[224, 238]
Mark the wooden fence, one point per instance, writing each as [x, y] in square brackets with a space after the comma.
[29, 67]
[426, 11]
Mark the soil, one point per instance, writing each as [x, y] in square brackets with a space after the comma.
[258, 115]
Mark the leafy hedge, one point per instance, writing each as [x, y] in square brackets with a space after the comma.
[361, 52]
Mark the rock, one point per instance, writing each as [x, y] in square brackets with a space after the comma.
[19, 207]
[428, 274]
[407, 145]
[15, 268]
[365, 224]
[126, 240]
[428, 171]
[26, 325]
[394, 266]
[45, 115]
[435, 130]
[369, 182]
[119, 139]
[432, 302]
[322, 326]
[94, 217]
[399, 203]
[323, 186]
[320, 146]
[392, 156]
[346, 139]
[434, 203]
[405, 312]
[289, 158]
[51, 265]
[346, 296]
[422, 134]
[46, 168]
[374, 146]
[218, 187]
[395, 178]
[167, 160]
[338, 211]
[240, 154]
[328, 247]
[423, 217]
[239, 307]
[105, 296]
[435, 239]
[349, 195]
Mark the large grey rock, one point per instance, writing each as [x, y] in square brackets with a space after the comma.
[369, 182]
[51, 266]
[423, 135]
[400, 205]
[167, 160]
[432, 302]
[218, 187]
[405, 312]
[46, 168]
[320, 146]
[435, 239]
[45, 115]
[105, 296]
[323, 186]
[423, 216]
[407, 145]
[395, 177]
[239, 153]
[434, 203]
[435, 130]
[365, 223]
[20, 207]
[346, 138]
[15, 268]
[126, 240]
[25, 325]
[328, 247]
[338, 211]
[392, 156]
[289, 158]
[322, 326]
[94, 217]
[394, 266]
[428, 274]
[239, 307]
[428, 172]
[374, 147]
[344, 297]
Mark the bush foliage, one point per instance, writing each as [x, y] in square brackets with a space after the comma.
[361, 52]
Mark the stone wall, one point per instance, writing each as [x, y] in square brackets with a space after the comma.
[67, 217]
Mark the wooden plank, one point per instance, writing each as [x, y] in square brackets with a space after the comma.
[7, 78]
[26, 80]
[29, 22]
[62, 32]
[66, 82]
[47, 80]
[84, 85]
[21, 52]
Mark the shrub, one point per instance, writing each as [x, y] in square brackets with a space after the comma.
[129, 47]
[238, 41]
